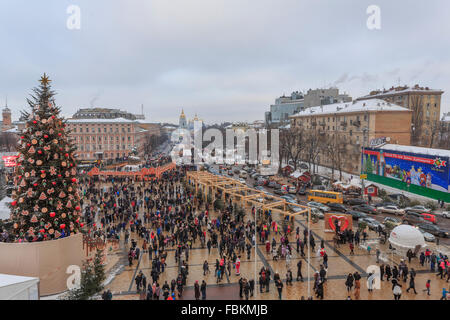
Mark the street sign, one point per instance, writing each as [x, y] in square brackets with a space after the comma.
[363, 176]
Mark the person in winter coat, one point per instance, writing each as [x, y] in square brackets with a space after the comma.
[197, 290]
[349, 282]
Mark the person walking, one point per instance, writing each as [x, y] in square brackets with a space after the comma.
[203, 290]
[279, 285]
[197, 290]
[412, 284]
[349, 282]
[427, 287]
[396, 290]
[299, 270]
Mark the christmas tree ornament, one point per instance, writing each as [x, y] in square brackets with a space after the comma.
[52, 214]
[51, 231]
[33, 173]
[25, 213]
[57, 234]
[62, 194]
[34, 219]
[42, 196]
[39, 162]
[44, 210]
[62, 226]
[32, 150]
[34, 141]
[63, 163]
[31, 160]
[63, 215]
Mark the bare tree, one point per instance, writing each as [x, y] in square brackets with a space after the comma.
[416, 105]
[8, 141]
[292, 144]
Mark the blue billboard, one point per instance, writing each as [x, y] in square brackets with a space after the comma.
[425, 170]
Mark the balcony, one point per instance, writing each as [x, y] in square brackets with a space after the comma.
[357, 123]
[344, 123]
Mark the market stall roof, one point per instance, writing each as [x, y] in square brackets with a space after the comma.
[14, 287]
[406, 237]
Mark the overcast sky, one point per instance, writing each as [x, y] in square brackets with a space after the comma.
[225, 60]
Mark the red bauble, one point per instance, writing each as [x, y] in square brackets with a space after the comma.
[42, 171]
[52, 214]
[74, 180]
[62, 226]
[67, 155]
[81, 224]
[22, 137]
[42, 231]
[53, 182]
[53, 117]
[28, 145]
[45, 136]
[39, 151]
[59, 134]
[35, 184]
[34, 121]
[59, 176]
[13, 203]
[77, 208]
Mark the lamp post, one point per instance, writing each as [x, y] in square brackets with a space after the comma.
[309, 251]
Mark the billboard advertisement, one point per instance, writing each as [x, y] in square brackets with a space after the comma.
[10, 161]
[425, 170]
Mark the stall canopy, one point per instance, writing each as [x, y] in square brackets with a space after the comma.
[14, 287]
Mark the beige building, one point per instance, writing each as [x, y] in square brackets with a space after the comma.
[106, 138]
[425, 104]
[353, 125]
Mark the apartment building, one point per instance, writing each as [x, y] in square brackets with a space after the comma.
[425, 104]
[355, 124]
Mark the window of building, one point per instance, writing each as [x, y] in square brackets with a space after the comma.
[129, 129]
[351, 133]
[75, 129]
[365, 117]
[104, 129]
[129, 138]
[81, 129]
[87, 129]
[99, 130]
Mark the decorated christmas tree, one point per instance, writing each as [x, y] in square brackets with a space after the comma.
[45, 199]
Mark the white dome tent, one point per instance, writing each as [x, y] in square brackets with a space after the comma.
[405, 237]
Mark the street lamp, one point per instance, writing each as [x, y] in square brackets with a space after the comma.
[309, 251]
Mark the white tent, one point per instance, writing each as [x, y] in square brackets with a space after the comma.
[5, 212]
[404, 237]
[18, 288]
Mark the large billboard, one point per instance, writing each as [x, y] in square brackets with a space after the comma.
[425, 170]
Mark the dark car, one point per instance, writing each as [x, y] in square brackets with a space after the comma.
[413, 218]
[337, 207]
[365, 208]
[357, 214]
[356, 201]
[433, 229]
[385, 204]
[301, 191]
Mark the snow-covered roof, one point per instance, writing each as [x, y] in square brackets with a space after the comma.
[446, 118]
[418, 150]
[405, 90]
[350, 107]
[115, 120]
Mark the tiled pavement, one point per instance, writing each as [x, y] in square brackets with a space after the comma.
[340, 263]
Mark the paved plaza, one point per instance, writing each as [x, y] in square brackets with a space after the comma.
[340, 263]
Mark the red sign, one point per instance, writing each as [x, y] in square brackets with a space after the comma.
[10, 161]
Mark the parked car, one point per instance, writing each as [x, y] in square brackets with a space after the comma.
[292, 190]
[392, 209]
[242, 181]
[395, 222]
[433, 229]
[385, 204]
[336, 207]
[289, 199]
[418, 209]
[230, 173]
[280, 192]
[429, 217]
[273, 184]
[365, 208]
[357, 214]
[444, 214]
[413, 218]
[318, 205]
[372, 223]
[317, 213]
[303, 166]
[356, 201]
[427, 236]
[259, 188]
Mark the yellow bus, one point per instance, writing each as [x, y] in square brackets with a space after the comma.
[325, 196]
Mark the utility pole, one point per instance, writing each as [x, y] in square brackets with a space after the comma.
[309, 252]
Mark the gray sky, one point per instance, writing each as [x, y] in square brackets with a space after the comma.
[225, 60]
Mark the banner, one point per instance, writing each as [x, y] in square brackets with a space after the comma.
[425, 170]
